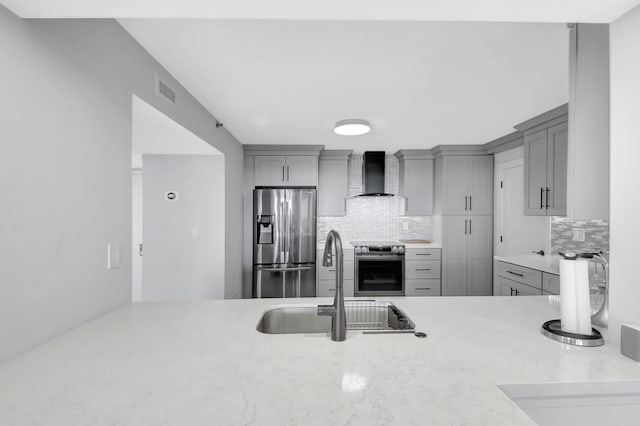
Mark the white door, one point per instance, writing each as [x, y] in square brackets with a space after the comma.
[516, 233]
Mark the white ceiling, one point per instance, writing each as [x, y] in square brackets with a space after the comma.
[419, 84]
[152, 132]
[403, 10]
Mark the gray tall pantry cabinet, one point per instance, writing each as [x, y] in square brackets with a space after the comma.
[464, 204]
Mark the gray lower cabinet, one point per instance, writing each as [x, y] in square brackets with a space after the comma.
[416, 181]
[327, 276]
[545, 159]
[516, 280]
[422, 272]
[467, 264]
[333, 182]
[290, 170]
[466, 184]
[507, 287]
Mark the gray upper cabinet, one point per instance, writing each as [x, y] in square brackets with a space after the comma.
[467, 251]
[270, 170]
[416, 181]
[302, 170]
[466, 184]
[545, 169]
[333, 182]
[290, 170]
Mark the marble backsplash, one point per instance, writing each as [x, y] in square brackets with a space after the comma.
[375, 218]
[596, 234]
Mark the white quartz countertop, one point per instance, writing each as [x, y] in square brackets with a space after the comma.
[204, 363]
[547, 263]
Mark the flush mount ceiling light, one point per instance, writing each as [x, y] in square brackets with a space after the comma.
[352, 127]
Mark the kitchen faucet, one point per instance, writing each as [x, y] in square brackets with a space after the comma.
[335, 311]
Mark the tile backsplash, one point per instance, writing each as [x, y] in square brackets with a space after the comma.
[596, 234]
[375, 218]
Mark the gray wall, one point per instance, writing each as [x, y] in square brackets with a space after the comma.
[65, 155]
[625, 173]
[183, 239]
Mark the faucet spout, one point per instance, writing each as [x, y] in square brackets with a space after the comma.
[336, 311]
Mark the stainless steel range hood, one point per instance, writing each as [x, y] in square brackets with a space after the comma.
[373, 174]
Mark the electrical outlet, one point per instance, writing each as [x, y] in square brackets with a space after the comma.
[113, 256]
[578, 234]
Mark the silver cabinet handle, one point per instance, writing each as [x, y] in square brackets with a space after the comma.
[470, 226]
[516, 274]
[548, 190]
[465, 227]
[423, 254]
[512, 291]
[423, 288]
[541, 196]
[470, 199]
[423, 269]
[465, 203]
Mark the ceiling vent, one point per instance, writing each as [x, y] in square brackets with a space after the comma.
[164, 90]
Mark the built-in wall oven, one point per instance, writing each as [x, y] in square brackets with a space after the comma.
[379, 268]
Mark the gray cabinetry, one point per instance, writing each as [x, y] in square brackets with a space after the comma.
[467, 255]
[466, 184]
[333, 182]
[516, 280]
[545, 167]
[416, 181]
[422, 272]
[278, 170]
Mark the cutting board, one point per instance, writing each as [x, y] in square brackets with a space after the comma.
[415, 241]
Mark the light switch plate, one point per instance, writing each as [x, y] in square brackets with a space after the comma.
[578, 234]
[630, 342]
[113, 256]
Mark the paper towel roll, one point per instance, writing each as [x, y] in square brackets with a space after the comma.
[575, 304]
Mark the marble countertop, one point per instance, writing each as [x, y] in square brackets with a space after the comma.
[548, 263]
[203, 363]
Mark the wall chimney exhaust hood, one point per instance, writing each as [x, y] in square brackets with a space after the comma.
[373, 174]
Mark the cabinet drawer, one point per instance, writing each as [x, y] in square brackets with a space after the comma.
[422, 254]
[329, 272]
[550, 283]
[422, 269]
[507, 287]
[347, 254]
[328, 288]
[427, 287]
[520, 274]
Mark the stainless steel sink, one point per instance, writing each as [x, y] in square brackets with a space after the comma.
[366, 316]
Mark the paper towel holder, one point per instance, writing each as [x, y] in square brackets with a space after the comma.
[553, 330]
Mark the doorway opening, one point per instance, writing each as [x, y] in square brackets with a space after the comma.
[178, 217]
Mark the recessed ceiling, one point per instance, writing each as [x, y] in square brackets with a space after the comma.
[403, 10]
[418, 84]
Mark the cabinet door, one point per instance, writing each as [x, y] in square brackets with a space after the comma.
[455, 192]
[454, 255]
[503, 287]
[333, 183]
[302, 170]
[416, 184]
[557, 170]
[480, 256]
[270, 170]
[525, 290]
[481, 185]
[535, 173]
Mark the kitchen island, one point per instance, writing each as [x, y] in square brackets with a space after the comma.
[204, 363]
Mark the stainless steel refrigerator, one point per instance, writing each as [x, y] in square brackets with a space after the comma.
[284, 242]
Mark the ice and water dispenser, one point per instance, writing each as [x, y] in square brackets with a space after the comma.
[265, 229]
